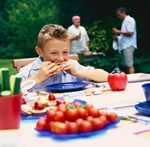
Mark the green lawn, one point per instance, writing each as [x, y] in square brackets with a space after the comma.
[7, 63]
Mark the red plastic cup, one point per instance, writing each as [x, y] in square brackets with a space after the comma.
[10, 110]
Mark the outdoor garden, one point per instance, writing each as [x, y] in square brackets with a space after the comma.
[21, 20]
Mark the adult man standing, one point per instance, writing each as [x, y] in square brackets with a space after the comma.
[79, 37]
[127, 38]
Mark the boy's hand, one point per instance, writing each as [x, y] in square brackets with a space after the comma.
[46, 70]
[70, 67]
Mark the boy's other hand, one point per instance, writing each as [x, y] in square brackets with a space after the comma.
[70, 67]
[46, 70]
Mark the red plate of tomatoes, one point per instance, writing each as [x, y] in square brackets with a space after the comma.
[74, 120]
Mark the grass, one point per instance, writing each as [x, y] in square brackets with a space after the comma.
[7, 63]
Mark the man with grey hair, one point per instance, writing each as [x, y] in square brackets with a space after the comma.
[78, 37]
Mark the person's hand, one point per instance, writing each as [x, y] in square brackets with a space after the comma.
[70, 67]
[87, 53]
[116, 31]
[77, 37]
[46, 70]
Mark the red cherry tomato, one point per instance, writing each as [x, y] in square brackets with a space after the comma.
[90, 119]
[38, 106]
[41, 124]
[51, 97]
[72, 114]
[59, 116]
[85, 126]
[97, 124]
[79, 122]
[117, 81]
[103, 113]
[58, 127]
[112, 116]
[94, 112]
[104, 120]
[88, 107]
[60, 101]
[51, 115]
[83, 113]
[62, 107]
[72, 127]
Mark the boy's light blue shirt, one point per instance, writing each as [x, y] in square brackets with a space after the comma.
[62, 77]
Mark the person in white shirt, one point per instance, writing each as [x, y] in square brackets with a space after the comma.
[78, 37]
[127, 38]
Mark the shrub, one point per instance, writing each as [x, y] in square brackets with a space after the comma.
[99, 37]
[25, 18]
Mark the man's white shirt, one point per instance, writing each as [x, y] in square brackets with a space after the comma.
[78, 46]
[128, 25]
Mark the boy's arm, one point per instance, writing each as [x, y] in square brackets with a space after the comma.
[84, 72]
[97, 75]
[46, 70]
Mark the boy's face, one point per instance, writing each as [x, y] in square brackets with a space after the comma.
[55, 50]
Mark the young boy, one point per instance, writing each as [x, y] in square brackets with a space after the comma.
[53, 64]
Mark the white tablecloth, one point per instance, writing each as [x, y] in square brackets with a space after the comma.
[122, 135]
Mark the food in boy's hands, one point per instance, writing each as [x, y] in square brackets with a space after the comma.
[71, 119]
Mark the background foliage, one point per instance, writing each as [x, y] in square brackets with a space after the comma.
[21, 20]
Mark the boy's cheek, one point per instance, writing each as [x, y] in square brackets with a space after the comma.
[66, 58]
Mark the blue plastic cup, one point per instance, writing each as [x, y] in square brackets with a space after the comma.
[146, 88]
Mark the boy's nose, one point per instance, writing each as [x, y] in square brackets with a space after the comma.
[61, 59]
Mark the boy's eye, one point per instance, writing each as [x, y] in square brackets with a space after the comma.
[54, 53]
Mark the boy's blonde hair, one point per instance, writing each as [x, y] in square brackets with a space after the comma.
[50, 31]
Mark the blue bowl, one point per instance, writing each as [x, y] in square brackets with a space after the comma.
[146, 88]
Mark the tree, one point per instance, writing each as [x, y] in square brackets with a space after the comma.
[25, 19]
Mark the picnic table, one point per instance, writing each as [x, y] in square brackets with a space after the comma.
[124, 133]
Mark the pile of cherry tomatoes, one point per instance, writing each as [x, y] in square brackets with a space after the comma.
[75, 118]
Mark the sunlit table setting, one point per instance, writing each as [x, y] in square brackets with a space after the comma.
[132, 129]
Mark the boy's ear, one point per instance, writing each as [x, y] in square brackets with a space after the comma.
[39, 51]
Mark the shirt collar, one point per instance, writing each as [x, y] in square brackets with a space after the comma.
[37, 63]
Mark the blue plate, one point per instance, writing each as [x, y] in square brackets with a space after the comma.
[143, 108]
[66, 87]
